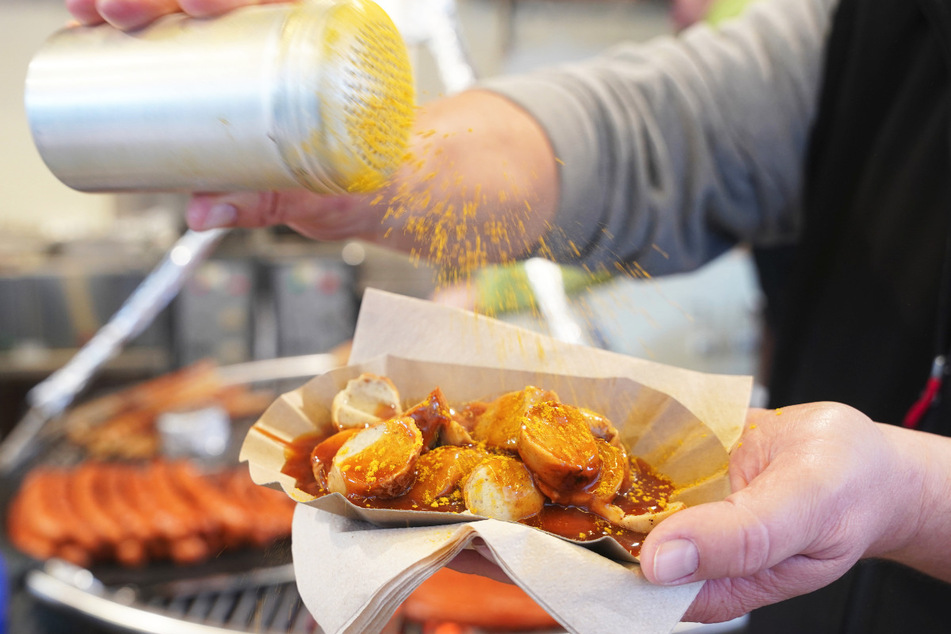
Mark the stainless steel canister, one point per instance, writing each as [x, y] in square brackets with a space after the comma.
[317, 93]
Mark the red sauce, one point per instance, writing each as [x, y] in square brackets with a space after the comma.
[307, 457]
[431, 416]
[648, 492]
[408, 503]
[298, 463]
[578, 524]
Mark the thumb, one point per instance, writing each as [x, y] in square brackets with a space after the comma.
[719, 539]
[751, 531]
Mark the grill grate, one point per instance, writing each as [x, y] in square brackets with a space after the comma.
[262, 601]
[276, 608]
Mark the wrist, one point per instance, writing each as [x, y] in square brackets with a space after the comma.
[919, 502]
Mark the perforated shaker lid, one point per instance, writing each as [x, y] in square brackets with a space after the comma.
[352, 97]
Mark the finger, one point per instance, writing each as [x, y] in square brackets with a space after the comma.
[720, 539]
[132, 14]
[774, 518]
[84, 11]
[323, 217]
[204, 8]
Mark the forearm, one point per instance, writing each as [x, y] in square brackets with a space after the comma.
[686, 144]
[920, 535]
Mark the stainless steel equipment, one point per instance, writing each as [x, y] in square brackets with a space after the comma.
[263, 600]
[317, 93]
[53, 395]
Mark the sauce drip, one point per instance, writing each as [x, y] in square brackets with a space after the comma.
[298, 463]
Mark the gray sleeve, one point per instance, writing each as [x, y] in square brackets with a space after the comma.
[674, 150]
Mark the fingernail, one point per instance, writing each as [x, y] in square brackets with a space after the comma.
[675, 560]
[220, 215]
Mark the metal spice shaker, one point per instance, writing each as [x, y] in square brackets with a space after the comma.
[316, 94]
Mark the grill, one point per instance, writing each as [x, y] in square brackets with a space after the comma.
[262, 600]
[240, 591]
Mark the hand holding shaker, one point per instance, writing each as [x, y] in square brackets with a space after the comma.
[315, 94]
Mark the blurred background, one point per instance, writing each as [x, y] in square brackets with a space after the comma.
[68, 260]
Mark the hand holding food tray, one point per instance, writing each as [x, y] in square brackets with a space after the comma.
[374, 568]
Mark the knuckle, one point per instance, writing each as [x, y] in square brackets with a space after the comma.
[753, 552]
[270, 211]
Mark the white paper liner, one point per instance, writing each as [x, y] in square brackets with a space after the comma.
[353, 575]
